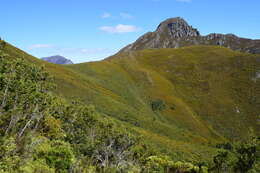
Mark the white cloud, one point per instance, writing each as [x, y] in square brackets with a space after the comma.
[120, 28]
[184, 1]
[122, 15]
[88, 51]
[106, 15]
[40, 46]
[91, 51]
[126, 15]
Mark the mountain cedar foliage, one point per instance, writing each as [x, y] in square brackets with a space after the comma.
[41, 132]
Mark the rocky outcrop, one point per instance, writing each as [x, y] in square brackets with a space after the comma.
[177, 28]
[57, 60]
[176, 32]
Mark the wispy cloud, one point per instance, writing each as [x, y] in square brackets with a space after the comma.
[91, 51]
[83, 54]
[87, 51]
[106, 15]
[76, 54]
[186, 1]
[120, 28]
[40, 46]
[56, 48]
[121, 15]
[125, 15]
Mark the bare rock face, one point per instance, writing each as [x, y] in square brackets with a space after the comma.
[177, 28]
[176, 32]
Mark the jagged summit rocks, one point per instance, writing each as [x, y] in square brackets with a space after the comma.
[57, 59]
[177, 28]
[176, 32]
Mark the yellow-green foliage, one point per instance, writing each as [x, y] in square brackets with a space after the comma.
[164, 164]
[40, 132]
[211, 94]
[36, 166]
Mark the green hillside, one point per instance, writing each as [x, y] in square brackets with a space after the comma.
[208, 91]
[184, 101]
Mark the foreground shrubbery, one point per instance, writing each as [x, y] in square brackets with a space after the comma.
[243, 157]
[42, 133]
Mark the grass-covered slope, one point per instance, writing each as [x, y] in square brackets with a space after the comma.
[208, 91]
[183, 100]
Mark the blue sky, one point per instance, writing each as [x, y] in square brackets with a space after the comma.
[89, 30]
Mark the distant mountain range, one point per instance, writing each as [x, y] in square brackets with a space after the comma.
[57, 59]
[176, 32]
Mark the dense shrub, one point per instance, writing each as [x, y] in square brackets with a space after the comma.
[164, 164]
[226, 146]
[40, 132]
[243, 158]
[158, 105]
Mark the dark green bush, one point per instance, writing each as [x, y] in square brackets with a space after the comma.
[226, 146]
[158, 105]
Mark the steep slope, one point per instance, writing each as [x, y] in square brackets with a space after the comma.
[210, 94]
[57, 60]
[176, 32]
[198, 84]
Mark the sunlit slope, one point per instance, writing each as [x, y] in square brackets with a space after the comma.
[211, 94]
[209, 91]
[115, 93]
[134, 93]
[69, 83]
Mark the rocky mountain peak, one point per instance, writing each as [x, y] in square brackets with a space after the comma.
[176, 32]
[177, 28]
